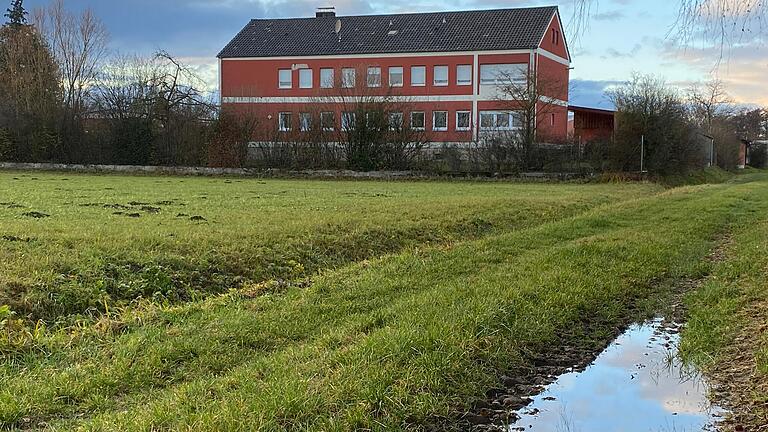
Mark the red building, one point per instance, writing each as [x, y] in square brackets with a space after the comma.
[592, 124]
[444, 67]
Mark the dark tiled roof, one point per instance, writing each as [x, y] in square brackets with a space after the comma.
[482, 30]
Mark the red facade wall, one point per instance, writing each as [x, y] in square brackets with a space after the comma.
[258, 78]
[558, 47]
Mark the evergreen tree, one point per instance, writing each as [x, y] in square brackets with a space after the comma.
[17, 15]
[29, 90]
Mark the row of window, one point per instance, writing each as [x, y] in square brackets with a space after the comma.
[489, 120]
[489, 74]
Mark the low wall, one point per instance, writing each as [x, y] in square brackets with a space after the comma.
[204, 171]
[258, 172]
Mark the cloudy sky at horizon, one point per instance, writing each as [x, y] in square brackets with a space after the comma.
[622, 37]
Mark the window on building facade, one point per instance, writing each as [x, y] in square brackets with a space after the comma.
[500, 74]
[374, 76]
[284, 121]
[347, 121]
[285, 78]
[326, 78]
[463, 120]
[555, 37]
[305, 78]
[417, 120]
[440, 120]
[328, 120]
[464, 75]
[396, 76]
[306, 121]
[418, 76]
[395, 121]
[498, 120]
[348, 77]
[441, 76]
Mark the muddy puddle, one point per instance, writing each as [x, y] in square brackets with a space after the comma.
[636, 385]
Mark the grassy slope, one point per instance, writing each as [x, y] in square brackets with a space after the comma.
[384, 344]
[726, 333]
[705, 176]
[84, 256]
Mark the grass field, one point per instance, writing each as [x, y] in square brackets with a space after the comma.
[322, 305]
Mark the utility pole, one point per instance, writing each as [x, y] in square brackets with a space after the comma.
[642, 154]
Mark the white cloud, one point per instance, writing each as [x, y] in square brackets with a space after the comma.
[742, 68]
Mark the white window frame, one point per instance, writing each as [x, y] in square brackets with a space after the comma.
[305, 126]
[441, 82]
[461, 82]
[370, 78]
[499, 77]
[415, 84]
[282, 83]
[303, 75]
[280, 122]
[434, 122]
[392, 83]
[423, 120]
[345, 75]
[345, 116]
[327, 82]
[469, 117]
[496, 115]
[323, 122]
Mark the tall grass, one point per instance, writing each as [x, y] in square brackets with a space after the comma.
[389, 343]
[109, 240]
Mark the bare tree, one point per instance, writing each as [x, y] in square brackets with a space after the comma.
[721, 22]
[354, 123]
[179, 87]
[532, 97]
[751, 124]
[126, 87]
[79, 45]
[230, 136]
[183, 111]
[153, 110]
[652, 112]
[707, 101]
[376, 131]
[528, 98]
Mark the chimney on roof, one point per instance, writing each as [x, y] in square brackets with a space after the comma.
[325, 12]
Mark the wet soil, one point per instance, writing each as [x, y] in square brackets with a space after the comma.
[637, 384]
[736, 380]
[578, 347]
[35, 215]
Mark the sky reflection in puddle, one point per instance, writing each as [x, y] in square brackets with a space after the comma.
[636, 385]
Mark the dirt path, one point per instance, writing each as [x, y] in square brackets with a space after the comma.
[736, 380]
[579, 346]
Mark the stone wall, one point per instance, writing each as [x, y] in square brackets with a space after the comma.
[275, 173]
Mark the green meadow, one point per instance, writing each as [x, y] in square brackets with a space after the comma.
[143, 303]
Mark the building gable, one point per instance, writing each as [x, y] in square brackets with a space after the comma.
[554, 40]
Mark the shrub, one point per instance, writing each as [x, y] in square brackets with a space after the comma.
[758, 155]
[7, 148]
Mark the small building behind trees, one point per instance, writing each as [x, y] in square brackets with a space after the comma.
[591, 124]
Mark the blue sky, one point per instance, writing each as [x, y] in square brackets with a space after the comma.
[622, 36]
